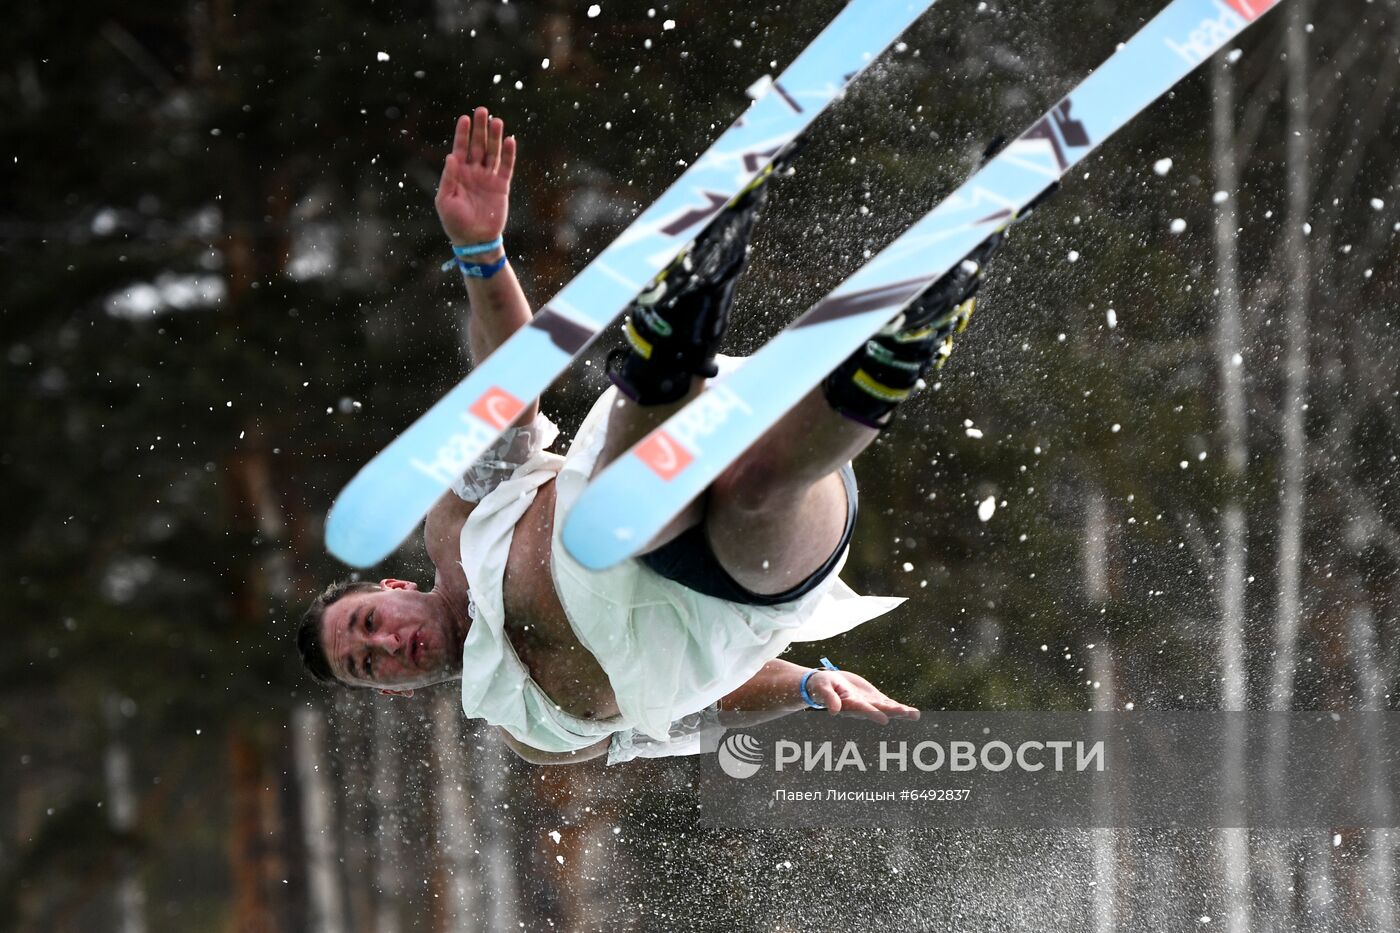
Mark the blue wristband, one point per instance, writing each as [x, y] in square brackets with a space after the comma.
[802, 687]
[462, 252]
[476, 270]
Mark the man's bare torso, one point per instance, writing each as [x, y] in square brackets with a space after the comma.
[536, 623]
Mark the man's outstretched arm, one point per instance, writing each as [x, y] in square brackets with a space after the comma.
[472, 202]
[775, 689]
[772, 692]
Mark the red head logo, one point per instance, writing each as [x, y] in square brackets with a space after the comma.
[1251, 9]
[497, 408]
[659, 451]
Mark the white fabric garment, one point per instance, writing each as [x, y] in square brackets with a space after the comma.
[692, 734]
[668, 651]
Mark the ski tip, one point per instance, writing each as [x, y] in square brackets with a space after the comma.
[588, 543]
[348, 541]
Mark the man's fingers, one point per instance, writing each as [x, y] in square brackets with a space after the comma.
[494, 128]
[507, 158]
[462, 137]
[869, 711]
[899, 710]
[447, 184]
[476, 155]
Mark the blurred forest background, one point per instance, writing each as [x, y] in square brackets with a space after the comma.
[220, 295]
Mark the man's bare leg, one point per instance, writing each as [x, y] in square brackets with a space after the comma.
[779, 512]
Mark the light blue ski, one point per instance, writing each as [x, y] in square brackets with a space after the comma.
[637, 495]
[388, 497]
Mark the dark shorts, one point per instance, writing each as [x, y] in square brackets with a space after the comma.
[689, 561]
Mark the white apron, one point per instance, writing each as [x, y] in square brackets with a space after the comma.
[668, 651]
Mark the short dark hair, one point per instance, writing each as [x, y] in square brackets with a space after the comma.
[313, 653]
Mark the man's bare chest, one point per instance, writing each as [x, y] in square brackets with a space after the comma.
[538, 626]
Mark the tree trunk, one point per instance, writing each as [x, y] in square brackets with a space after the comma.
[353, 720]
[255, 839]
[1380, 863]
[1315, 871]
[1229, 591]
[1295, 325]
[388, 776]
[490, 773]
[1293, 462]
[318, 822]
[457, 838]
[121, 815]
[1103, 841]
[1095, 553]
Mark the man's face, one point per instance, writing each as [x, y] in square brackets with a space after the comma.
[393, 638]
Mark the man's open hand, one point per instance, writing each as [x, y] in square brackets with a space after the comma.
[474, 192]
[853, 695]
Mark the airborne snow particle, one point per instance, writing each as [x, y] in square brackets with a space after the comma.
[668, 25]
[1178, 226]
[1220, 197]
[760, 87]
[1377, 204]
[544, 63]
[907, 566]
[1116, 427]
[1234, 55]
[382, 56]
[975, 433]
[1112, 319]
[1074, 255]
[987, 508]
[1162, 166]
[594, 10]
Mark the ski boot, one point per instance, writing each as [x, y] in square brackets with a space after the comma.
[872, 381]
[674, 328]
[886, 371]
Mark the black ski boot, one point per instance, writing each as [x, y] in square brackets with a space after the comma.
[883, 373]
[887, 370]
[674, 328]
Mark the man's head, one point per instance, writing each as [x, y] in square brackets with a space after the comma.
[389, 635]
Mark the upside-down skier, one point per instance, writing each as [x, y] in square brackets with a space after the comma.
[572, 664]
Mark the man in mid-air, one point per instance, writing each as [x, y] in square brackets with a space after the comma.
[571, 664]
